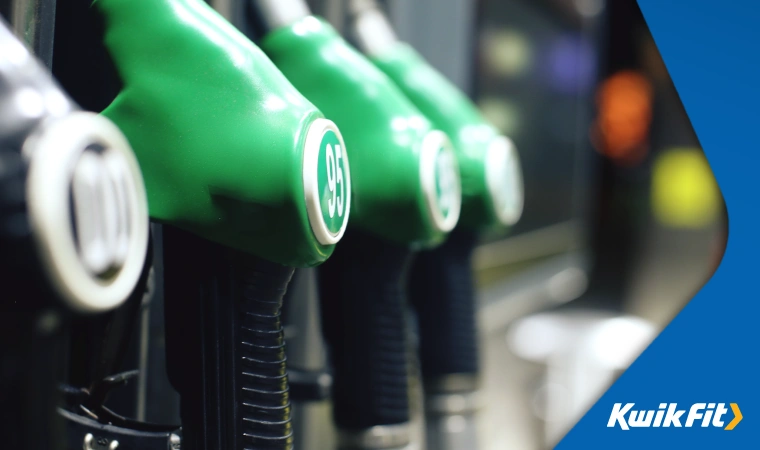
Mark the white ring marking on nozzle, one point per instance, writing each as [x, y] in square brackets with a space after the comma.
[439, 170]
[339, 162]
[96, 266]
[504, 180]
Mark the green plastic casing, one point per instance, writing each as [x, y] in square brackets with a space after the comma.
[219, 132]
[450, 110]
[381, 127]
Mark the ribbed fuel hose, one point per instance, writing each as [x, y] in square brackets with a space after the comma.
[441, 289]
[225, 345]
[264, 394]
[363, 297]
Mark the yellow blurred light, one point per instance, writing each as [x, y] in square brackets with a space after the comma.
[507, 52]
[684, 191]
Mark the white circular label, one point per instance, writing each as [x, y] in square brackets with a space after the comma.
[88, 210]
[504, 180]
[101, 211]
[441, 181]
[327, 181]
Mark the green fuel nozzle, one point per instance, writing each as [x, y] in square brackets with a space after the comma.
[492, 185]
[407, 187]
[230, 150]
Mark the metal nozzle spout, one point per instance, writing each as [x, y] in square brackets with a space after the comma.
[274, 14]
[372, 31]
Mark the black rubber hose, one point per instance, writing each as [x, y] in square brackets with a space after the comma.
[225, 345]
[29, 377]
[260, 288]
[363, 297]
[16, 242]
[442, 291]
[98, 345]
[310, 380]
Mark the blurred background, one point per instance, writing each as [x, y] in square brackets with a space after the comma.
[623, 221]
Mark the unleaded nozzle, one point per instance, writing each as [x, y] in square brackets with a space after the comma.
[492, 185]
[85, 203]
[407, 187]
[230, 150]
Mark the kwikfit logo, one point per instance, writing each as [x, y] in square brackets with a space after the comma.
[668, 415]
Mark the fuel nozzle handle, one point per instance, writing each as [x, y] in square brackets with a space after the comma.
[441, 288]
[28, 382]
[362, 289]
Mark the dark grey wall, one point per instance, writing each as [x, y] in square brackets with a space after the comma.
[442, 30]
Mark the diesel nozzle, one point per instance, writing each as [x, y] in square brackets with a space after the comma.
[85, 200]
[73, 235]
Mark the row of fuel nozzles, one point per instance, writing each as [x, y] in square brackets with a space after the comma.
[257, 153]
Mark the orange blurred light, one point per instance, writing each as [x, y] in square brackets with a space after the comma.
[621, 130]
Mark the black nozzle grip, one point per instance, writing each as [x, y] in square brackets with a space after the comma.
[363, 297]
[19, 261]
[442, 291]
[31, 323]
[225, 345]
